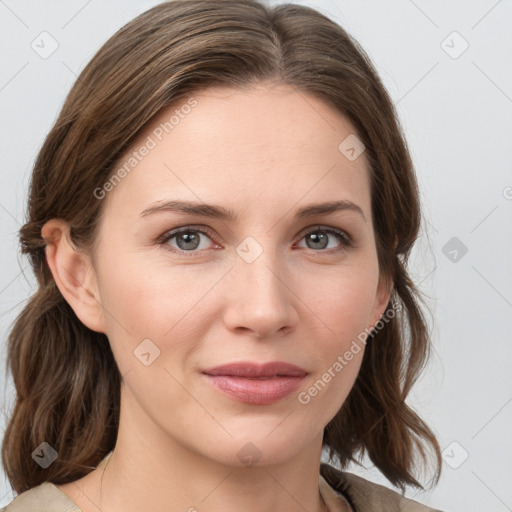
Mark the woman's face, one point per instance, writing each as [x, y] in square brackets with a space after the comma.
[265, 285]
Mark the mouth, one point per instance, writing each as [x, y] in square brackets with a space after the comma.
[256, 384]
[254, 370]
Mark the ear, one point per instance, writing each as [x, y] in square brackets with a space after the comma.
[74, 274]
[382, 296]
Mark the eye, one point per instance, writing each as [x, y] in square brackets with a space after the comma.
[187, 239]
[319, 239]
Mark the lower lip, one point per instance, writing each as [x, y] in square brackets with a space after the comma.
[255, 391]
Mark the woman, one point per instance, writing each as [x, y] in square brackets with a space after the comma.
[220, 222]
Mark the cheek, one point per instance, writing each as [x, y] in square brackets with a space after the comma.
[343, 301]
[338, 352]
[343, 307]
[137, 293]
[143, 301]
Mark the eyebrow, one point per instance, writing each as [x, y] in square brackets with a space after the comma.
[221, 213]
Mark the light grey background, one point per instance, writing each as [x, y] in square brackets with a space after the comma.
[456, 109]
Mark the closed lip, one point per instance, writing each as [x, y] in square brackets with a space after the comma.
[252, 370]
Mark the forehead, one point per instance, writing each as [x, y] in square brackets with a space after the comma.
[265, 143]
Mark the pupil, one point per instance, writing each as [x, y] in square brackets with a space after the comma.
[189, 238]
[318, 239]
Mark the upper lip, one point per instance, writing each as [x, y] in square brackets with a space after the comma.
[255, 370]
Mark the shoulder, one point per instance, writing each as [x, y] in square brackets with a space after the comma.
[366, 496]
[46, 497]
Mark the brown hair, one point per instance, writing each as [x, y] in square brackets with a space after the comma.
[67, 381]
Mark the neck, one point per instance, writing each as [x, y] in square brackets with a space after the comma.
[182, 487]
[148, 470]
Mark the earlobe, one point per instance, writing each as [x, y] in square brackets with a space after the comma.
[382, 298]
[73, 273]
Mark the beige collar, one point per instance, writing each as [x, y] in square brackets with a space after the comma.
[335, 501]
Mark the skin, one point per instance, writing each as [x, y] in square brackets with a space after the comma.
[262, 152]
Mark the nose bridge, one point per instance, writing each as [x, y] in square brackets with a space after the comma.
[259, 298]
[258, 271]
[262, 275]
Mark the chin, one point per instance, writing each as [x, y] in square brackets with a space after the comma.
[257, 447]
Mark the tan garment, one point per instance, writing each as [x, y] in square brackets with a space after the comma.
[336, 488]
[363, 495]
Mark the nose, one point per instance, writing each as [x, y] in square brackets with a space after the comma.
[260, 298]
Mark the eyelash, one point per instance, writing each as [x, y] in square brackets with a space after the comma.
[346, 241]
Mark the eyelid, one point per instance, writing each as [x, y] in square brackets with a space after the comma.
[165, 237]
[321, 227]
